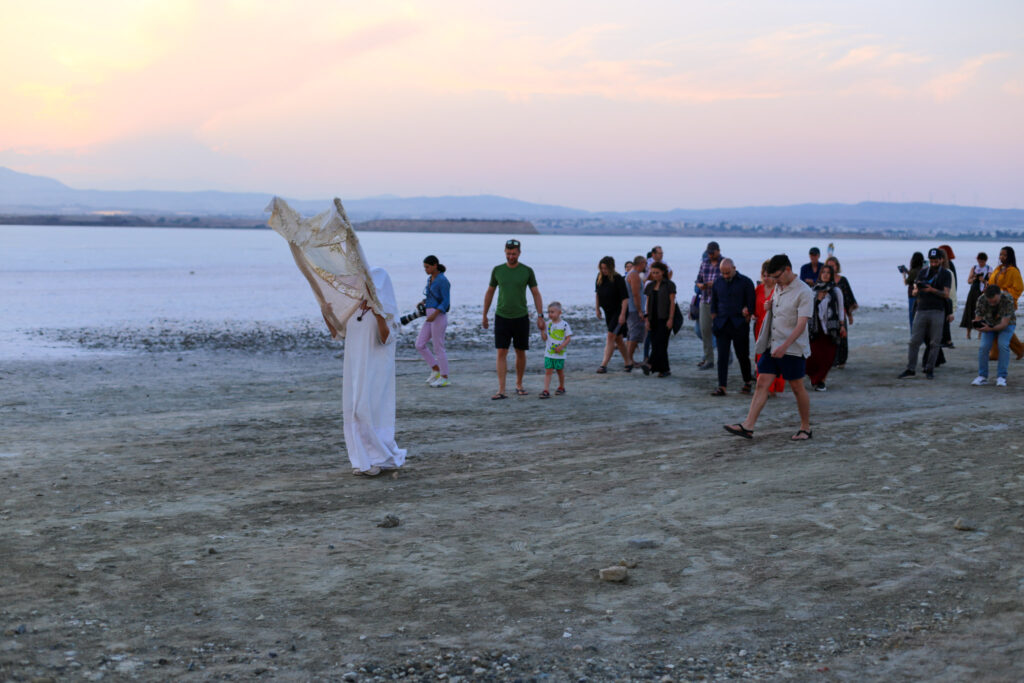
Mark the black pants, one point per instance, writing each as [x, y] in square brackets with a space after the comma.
[659, 344]
[739, 337]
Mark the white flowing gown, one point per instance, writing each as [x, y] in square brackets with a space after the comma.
[368, 385]
[327, 252]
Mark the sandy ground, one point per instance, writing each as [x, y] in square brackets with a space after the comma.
[191, 515]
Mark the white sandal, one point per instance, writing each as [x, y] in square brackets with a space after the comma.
[372, 472]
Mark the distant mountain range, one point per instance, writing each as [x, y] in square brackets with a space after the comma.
[27, 195]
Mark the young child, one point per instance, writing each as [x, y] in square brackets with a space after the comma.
[559, 334]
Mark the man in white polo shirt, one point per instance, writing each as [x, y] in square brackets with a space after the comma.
[783, 346]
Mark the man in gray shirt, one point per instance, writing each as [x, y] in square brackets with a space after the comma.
[783, 346]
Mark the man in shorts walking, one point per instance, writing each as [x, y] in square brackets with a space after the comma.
[511, 316]
[784, 350]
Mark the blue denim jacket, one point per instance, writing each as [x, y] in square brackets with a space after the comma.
[437, 293]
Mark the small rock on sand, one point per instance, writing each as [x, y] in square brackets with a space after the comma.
[617, 573]
[389, 522]
[962, 524]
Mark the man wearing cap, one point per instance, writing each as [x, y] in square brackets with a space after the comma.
[809, 271]
[707, 274]
[511, 316]
[932, 286]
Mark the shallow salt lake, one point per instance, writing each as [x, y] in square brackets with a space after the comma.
[84, 277]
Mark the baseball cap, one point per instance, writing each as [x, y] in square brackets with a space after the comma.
[934, 253]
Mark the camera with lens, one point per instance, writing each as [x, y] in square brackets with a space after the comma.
[978, 324]
[421, 310]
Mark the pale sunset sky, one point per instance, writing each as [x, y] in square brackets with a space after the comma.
[591, 104]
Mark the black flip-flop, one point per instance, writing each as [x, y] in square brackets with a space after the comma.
[498, 397]
[545, 394]
[796, 437]
[522, 392]
[739, 430]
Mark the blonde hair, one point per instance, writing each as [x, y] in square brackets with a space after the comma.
[555, 304]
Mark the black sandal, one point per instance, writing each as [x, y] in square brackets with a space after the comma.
[602, 370]
[739, 430]
[797, 437]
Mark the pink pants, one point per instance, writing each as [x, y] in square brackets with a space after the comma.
[435, 332]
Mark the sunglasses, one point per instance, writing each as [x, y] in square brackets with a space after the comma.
[512, 244]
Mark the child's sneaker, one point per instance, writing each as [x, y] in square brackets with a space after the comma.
[434, 375]
[440, 382]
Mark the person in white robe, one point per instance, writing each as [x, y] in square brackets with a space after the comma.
[358, 304]
[368, 384]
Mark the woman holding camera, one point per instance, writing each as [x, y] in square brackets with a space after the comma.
[437, 299]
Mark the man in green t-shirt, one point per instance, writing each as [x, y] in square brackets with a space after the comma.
[512, 317]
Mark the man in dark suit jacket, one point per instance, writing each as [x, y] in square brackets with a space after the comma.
[732, 303]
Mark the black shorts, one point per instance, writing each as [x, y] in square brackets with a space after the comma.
[512, 330]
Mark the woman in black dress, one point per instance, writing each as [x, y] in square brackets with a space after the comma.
[977, 279]
[612, 299]
[661, 307]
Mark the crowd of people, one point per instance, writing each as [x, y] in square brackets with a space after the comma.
[990, 309]
[800, 322]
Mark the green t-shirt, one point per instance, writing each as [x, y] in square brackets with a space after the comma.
[512, 284]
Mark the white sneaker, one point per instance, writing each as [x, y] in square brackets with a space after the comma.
[433, 376]
[980, 380]
[440, 382]
[1000, 381]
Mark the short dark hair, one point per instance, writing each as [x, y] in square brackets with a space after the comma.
[992, 290]
[660, 266]
[778, 262]
[982, 256]
[814, 251]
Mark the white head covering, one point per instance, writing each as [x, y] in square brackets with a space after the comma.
[385, 294]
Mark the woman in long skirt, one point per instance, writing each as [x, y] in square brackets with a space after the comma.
[826, 327]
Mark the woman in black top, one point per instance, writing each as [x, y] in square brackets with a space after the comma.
[661, 307]
[611, 298]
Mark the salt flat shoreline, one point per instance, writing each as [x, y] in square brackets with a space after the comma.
[190, 514]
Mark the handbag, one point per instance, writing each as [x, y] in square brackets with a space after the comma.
[677, 320]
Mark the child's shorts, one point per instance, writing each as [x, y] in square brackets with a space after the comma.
[554, 363]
